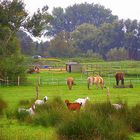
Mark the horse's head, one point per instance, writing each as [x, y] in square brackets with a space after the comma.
[66, 101]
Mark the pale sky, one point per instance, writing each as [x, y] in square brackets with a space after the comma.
[122, 8]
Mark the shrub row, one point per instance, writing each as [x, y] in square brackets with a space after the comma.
[100, 121]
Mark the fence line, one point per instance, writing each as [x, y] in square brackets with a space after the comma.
[61, 81]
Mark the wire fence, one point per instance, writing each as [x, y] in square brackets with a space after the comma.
[109, 80]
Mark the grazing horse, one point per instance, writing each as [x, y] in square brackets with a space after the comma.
[119, 76]
[70, 82]
[98, 80]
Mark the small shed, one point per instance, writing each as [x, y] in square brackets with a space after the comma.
[73, 67]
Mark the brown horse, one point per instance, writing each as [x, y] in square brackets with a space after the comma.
[70, 82]
[98, 80]
[119, 76]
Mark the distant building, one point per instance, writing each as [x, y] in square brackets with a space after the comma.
[73, 67]
[36, 56]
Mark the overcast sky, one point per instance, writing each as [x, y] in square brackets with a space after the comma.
[122, 8]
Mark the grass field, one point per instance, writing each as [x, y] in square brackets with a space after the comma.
[53, 84]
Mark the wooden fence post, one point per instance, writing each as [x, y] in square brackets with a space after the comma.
[39, 80]
[37, 91]
[18, 80]
[7, 81]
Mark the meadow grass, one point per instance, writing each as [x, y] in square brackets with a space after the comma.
[53, 84]
[12, 130]
[12, 95]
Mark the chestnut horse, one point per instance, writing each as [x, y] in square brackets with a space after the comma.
[119, 76]
[98, 80]
[70, 82]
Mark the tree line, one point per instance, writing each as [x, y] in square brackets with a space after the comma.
[88, 30]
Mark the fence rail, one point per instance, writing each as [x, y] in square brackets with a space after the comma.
[109, 80]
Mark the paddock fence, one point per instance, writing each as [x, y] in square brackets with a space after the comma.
[109, 80]
[132, 75]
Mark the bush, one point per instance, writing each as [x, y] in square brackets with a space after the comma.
[24, 102]
[51, 113]
[13, 71]
[117, 54]
[98, 121]
[133, 118]
[22, 116]
[80, 126]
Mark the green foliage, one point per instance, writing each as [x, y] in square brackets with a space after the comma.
[23, 116]
[12, 68]
[51, 113]
[38, 21]
[98, 122]
[13, 14]
[117, 54]
[133, 118]
[61, 46]
[83, 37]
[5, 33]
[78, 14]
[24, 102]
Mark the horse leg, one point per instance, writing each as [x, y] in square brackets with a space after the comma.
[117, 82]
[97, 86]
[102, 86]
[122, 81]
[88, 85]
[70, 86]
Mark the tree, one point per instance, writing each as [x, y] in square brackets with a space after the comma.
[13, 16]
[84, 37]
[61, 46]
[117, 54]
[132, 38]
[38, 22]
[78, 14]
[27, 44]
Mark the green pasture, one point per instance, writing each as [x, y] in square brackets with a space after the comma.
[53, 84]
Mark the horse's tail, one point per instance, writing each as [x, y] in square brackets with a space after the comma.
[101, 81]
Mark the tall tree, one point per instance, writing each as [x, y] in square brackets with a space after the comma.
[78, 14]
[13, 16]
[85, 37]
[132, 38]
